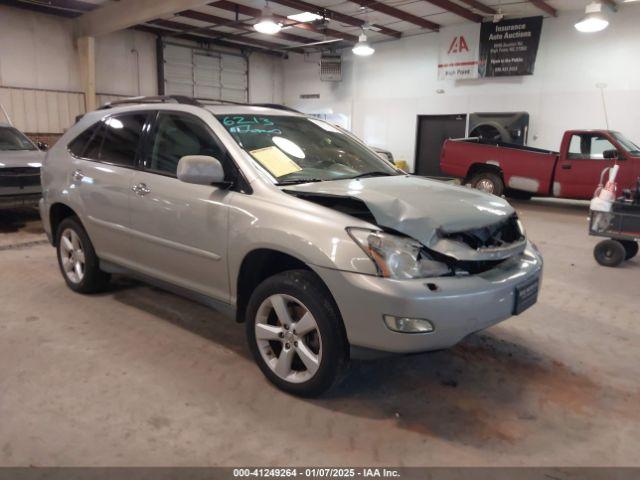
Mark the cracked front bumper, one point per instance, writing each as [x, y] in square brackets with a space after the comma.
[457, 307]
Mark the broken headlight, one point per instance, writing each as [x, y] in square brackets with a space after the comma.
[397, 257]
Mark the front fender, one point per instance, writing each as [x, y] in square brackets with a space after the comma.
[310, 233]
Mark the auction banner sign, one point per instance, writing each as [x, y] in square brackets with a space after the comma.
[458, 52]
[509, 48]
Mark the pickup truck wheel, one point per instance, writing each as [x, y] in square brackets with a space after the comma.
[77, 259]
[630, 247]
[488, 182]
[609, 253]
[295, 333]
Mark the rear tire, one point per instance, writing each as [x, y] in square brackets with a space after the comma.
[79, 264]
[609, 253]
[630, 247]
[295, 333]
[489, 182]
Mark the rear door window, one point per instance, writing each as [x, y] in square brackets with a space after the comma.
[114, 140]
[122, 135]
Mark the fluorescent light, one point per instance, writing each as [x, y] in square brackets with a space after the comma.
[305, 17]
[362, 48]
[593, 21]
[267, 23]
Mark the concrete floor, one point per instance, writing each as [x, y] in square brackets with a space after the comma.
[138, 376]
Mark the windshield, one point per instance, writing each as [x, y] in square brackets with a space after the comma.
[301, 149]
[12, 139]
[627, 144]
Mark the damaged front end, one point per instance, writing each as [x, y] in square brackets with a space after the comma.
[415, 243]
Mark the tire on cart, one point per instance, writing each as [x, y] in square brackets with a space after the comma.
[609, 253]
[631, 248]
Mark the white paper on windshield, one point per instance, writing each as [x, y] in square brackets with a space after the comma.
[276, 161]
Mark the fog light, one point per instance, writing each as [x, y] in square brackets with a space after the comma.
[408, 325]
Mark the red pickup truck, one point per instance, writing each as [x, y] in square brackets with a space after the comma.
[523, 172]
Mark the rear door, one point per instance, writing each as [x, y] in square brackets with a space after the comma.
[180, 230]
[578, 172]
[104, 159]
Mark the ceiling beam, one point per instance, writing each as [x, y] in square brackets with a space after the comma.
[213, 19]
[337, 16]
[545, 7]
[162, 32]
[396, 13]
[481, 7]
[457, 9]
[182, 29]
[63, 8]
[116, 16]
[255, 13]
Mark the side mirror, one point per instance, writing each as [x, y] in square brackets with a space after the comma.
[200, 170]
[611, 154]
[42, 146]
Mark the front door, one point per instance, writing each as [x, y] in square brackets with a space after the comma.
[179, 230]
[578, 175]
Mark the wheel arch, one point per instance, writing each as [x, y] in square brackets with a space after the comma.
[478, 167]
[57, 213]
[260, 264]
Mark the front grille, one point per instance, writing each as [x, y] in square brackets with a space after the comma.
[19, 176]
[494, 236]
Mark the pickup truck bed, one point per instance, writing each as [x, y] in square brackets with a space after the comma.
[573, 172]
[510, 159]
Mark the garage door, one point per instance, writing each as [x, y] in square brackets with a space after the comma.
[204, 74]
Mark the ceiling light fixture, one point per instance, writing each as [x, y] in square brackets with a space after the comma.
[362, 48]
[594, 20]
[305, 17]
[267, 23]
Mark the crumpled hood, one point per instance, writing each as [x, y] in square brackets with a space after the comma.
[416, 206]
[21, 158]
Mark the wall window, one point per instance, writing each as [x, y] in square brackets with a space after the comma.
[589, 147]
[177, 135]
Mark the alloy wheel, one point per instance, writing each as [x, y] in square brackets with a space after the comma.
[485, 185]
[72, 255]
[288, 338]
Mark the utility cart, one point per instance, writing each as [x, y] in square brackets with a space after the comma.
[622, 228]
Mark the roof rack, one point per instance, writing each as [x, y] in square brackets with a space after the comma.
[185, 100]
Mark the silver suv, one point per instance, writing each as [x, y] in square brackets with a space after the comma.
[312, 240]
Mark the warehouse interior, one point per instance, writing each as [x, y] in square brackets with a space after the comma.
[140, 375]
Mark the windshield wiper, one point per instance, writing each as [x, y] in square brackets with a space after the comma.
[373, 174]
[293, 181]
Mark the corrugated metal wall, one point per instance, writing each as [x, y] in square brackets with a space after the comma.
[45, 111]
[41, 111]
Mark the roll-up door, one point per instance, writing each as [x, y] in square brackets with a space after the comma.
[204, 73]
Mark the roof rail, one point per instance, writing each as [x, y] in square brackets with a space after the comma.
[185, 100]
[182, 99]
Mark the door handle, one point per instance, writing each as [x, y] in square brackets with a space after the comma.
[566, 166]
[77, 175]
[141, 189]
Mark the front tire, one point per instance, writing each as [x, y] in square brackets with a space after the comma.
[488, 182]
[630, 247]
[79, 264]
[609, 253]
[295, 333]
